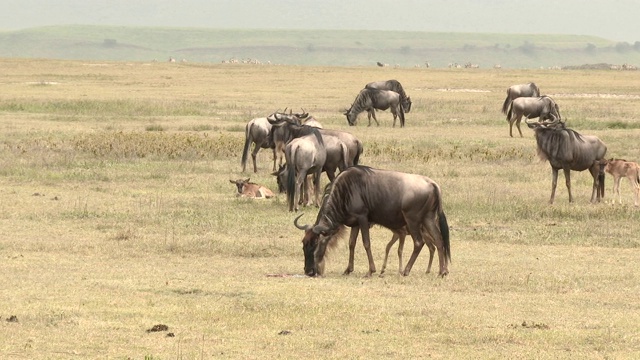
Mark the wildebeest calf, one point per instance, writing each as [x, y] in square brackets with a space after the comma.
[251, 190]
[620, 168]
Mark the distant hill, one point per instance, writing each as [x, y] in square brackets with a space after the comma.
[314, 47]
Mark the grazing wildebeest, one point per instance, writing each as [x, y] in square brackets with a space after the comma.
[542, 107]
[370, 99]
[568, 150]
[620, 168]
[521, 90]
[257, 132]
[251, 190]
[361, 197]
[401, 235]
[393, 85]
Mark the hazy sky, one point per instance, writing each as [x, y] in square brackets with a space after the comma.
[616, 20]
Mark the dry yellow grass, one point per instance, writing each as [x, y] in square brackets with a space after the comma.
[117, 215]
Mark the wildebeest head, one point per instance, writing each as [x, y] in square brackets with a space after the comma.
[352, 120]
[406, 104]
[314, 245]
[240, 183]
[281, 178]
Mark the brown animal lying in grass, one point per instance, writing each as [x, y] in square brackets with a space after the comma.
[251, 190]
[619, 169]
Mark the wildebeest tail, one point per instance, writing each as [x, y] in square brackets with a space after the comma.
[507, 102]
[247, 144]
[444, 231]
[510, 109]
[356, 159]
[291, 179]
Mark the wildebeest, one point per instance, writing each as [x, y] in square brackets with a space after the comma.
[542, 107]
[568, 150]
[521, 90]
[401, 235]
[257, 132]
[304, 154]
[620, 168]
[361, 197]
[393, 85]
[371, 99]
[251, 190]
[280, 136]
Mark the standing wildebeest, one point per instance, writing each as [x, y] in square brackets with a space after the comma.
[566, 149]
[305, 154]
[370, 99]
[516, 91]
[542, 107]
[257, 132]
[361, 197]
[619, 169]
[393, 85]
[252, 190]
[280, 136]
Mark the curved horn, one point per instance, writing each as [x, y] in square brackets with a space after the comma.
[285, 110]
[295, 222]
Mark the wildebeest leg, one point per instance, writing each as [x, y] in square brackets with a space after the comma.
[366, 241]
[394, 111]
[396, 236]
[437, 242]
[254, 153]
[616, 188]
[567, 180]
[595, 172]
[275, 157]
[300, 180]
[432, 249]
[418, 243]
[635, 185]
[316, 186]
[371, 113]
[515, 118]
[554, 183]
[353, 237]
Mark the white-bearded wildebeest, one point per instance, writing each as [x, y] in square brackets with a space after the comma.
[620, 168]
[542, 107]
[361, 197]
[393, 85]
[280, 136]
[257, 132]
[521, 90]
[568, 150]
[304, 154]
[370, 99]
[251, 190]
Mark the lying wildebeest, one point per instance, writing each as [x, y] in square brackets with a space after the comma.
[620, 168]
[251, 190]
[542, 107]
[370, 99]
[361, 197]
[401, 235]
[393, 85]
[568, 150]
[521, 90]
[257, 132]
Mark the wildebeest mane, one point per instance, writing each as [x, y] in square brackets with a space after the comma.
[338, 194]
[557, 143]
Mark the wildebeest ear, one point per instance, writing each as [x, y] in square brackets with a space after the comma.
[231, 181]
[247, 179]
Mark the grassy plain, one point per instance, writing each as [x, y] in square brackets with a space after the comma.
[117, 215]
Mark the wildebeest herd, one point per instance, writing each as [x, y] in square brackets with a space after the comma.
[360, 196]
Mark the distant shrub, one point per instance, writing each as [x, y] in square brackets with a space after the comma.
[154, 127]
